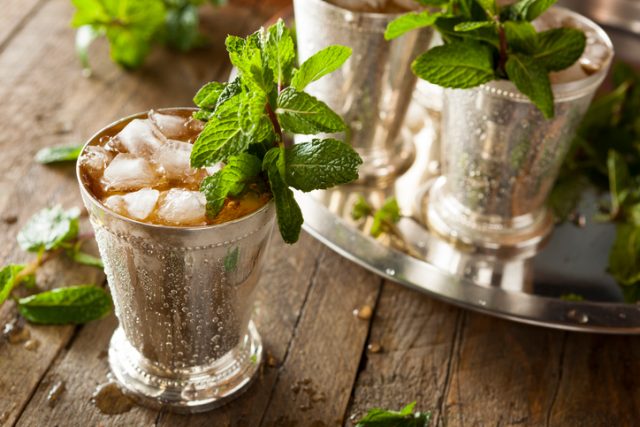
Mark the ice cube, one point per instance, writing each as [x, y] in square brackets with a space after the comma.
[127, 172]
[136, 205]
[140, 138]
[94, 160]
[182, 207]
[171, 126]
[173, 160]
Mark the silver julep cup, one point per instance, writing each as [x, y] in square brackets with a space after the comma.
[373, 89]
[183, 297]
[501, 157]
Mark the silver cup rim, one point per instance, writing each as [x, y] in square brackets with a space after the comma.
[372, 16]
[89, 196]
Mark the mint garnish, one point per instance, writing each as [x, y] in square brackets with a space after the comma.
[378, 417]
[484, 41]
[59, 154]
[247, 118]
[49, 229]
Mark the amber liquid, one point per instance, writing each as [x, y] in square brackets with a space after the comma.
[256, 196]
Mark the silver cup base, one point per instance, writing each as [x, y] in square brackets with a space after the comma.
[187, 391]
[501, 240]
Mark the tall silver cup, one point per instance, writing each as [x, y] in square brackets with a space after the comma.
[501, 156]
[184, 298]
[372, 90]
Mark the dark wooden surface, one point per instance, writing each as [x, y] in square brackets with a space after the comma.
[468, 369]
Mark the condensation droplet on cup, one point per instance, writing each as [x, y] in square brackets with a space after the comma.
[482, 302]
[577, 316]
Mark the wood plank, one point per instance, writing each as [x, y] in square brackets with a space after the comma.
[416, 335]
[15, 14]
[316, 378]
[502, 373]
[599, 382]
[49, 103]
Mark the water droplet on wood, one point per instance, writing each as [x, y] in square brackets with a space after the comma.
[111, 400]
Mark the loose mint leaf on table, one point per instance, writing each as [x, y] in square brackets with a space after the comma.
[8, 276]
[378, 417]
[229, 181]
[67, 153]
[320, 64]
[299, 112]
[84, 258]
[559, 48]
[320, 164]
[521, 36]
[410, 21]
[533, 80]
[361, 208]
[385, 217]
[456, 65]
[280, 52]
[72, 305]
[49, 229]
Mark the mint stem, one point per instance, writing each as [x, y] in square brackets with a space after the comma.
[274, 121]
[503, 50]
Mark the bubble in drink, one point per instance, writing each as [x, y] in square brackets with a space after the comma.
[137, 205]
[140, 138]
[127, 172]
[183, 207]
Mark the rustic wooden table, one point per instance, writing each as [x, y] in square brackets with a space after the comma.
[326, 366]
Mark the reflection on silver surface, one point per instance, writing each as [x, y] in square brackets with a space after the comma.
[372, 90]
[184, 298]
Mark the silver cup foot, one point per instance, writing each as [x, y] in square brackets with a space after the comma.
[445, 217]
[380, 166]
[190, 390]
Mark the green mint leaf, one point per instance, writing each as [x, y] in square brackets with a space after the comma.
[472, 25]
[529, 9]
[624, 263]
[446, 27]
[633, 214]
[361, 209]
[229, 181]
[252, 112]
[521, 36]
[489, 6]
[320, 164]
[619, 181]
[246, 55]
[378, 417]
[287, 209]
[301, 113]
[408, 22]
[182, 27]
[8, 280]
[222, 137]
[89, 12]
[559, 48]
[84, 258]
[456, 65]
[571, 297]
[48, 229]
[532, 79]
[385, 217]
[280, 52]
[231, 260]
[72, 305]
[566, 195]
[208, 95]
[66, 153]
[320, 64]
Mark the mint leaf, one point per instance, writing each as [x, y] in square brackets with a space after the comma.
[67, 153]
[457, 65]
[208, 95]
[472, 25]
[246, 55]
[222, 137]
[624, 263]
[229, 181]
[408, 22]
[528, 9]
[72, 305]
[521, 36]
[48, 229]
[446, 27]
[619, 181]
[361, 209]
[531, 79]
[182, 26]
[385, 217]
[231, 260]
[559, 48]
[489, 6]
[320, 64]
[280, 52]
[378, 417]
[84, 258]
[251, 112]
[320, 164]
[301, 113]
[8, 280]
[287, 210]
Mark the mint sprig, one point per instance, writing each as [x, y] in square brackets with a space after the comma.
[49, 233]
[484, 41]
[378, 417]
[247, 120]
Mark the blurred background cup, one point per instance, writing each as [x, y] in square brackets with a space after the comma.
[184, 298]
[501, 157]
[373, 89]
